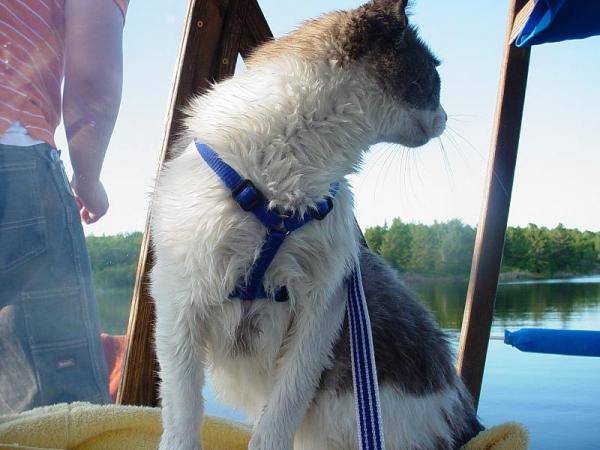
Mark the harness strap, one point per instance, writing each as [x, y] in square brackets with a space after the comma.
[254, 288]
[278, 225]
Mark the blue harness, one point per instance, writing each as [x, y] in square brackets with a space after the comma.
[278, 225]
[364, 373]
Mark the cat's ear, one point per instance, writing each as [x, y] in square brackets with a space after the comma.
[378, 26]
[395, 8]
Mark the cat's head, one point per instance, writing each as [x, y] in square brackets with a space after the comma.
[376, 41]
[381, 39]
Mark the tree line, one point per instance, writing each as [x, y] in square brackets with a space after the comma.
[439, 249]
[114, 259]
[447, 248]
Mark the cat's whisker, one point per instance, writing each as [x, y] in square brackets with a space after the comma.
[447, 166]
[494, 173]
[462, 115]
[452, 140]
[415, 159]
[401, 157]
[455, 132]
[378, 155]
[384, 170]
[407, 174]
[398, 165]
[455, 119]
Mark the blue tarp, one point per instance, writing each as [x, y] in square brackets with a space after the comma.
[558, 342]
[560, 20]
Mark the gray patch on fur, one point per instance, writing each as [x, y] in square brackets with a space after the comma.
[411, 353]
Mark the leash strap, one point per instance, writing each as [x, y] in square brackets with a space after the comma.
[364, 374]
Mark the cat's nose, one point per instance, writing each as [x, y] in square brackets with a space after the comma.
[438, 122]
[433, 123]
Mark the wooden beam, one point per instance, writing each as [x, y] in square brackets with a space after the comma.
[520, 20]
[491, 230]
[256, 31]
[229, 49]
[196, 61]
[208, 52]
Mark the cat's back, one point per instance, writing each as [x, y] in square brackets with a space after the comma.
[411, 352]
[419, 387]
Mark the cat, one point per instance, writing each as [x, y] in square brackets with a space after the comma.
[298, 119]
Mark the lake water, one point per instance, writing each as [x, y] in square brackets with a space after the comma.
[556, 397]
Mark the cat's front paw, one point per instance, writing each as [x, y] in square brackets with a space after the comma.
[268, 441]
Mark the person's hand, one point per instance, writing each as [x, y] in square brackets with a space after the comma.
[91, 199]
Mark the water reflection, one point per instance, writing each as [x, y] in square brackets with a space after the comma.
[551, 395]
[114, 305]
[548, 303]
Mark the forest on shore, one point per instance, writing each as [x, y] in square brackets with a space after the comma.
[446, 249]
[114, 259]
[437, 250]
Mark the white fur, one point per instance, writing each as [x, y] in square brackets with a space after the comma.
[292, 127]
[409, 422]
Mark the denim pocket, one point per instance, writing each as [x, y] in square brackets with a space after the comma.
[56, 329]
[66, 374]
[54, 316]
[22, 222]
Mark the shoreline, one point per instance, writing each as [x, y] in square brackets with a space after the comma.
[418, 278]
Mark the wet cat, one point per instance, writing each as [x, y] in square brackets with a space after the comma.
[299, 118]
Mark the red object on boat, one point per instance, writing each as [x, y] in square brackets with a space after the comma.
[114, 353]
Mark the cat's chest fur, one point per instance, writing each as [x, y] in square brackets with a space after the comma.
[249, 329]
[223, 242]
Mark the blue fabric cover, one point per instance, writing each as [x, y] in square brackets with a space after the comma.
[558, 342]
[560, 20]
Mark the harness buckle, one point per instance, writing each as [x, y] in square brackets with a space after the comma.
[246, 195]
[320, 215]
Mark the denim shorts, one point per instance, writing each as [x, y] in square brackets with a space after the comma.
[50, 348]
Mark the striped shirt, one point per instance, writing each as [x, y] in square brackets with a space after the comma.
[32, 41]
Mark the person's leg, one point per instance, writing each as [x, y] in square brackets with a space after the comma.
[23, 241]
[47, 297]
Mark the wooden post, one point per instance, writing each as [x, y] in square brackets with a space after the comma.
[491, 230]
[256, 30]
[214, 30]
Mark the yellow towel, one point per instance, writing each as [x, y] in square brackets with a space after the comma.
[508, 436]
[82, 426]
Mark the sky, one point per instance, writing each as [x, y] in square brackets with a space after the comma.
[558, 169]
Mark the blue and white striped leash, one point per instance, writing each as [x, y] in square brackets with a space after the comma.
[364, 373]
